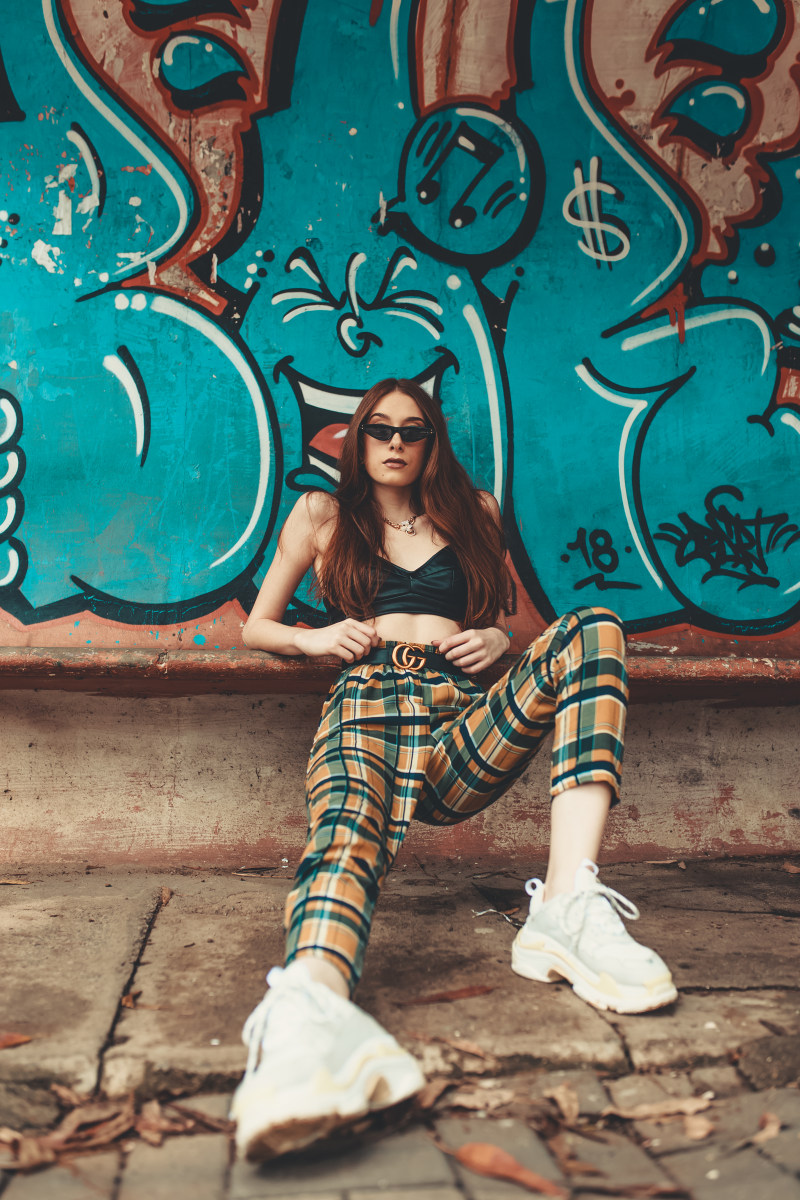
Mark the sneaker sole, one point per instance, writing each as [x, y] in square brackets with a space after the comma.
[270, 1123]
[547, 962]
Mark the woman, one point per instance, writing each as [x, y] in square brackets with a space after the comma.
[409, 560]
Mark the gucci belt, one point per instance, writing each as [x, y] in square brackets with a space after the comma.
[408, 656]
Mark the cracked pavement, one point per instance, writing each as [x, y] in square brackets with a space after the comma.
[188, 952]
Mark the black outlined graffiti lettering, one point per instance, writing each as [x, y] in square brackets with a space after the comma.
[732, 546]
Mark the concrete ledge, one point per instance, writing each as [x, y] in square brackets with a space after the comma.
[127, 671]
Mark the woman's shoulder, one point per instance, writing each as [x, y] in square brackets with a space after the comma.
[489, 503]
[320, 506]
[309, 522]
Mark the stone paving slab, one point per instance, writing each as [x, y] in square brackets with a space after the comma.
[427, 938]
[618, 1159]
[593, 1098]
[192, 1167]
[405, 1159]
[69, 946]
[421, 1193]
[704, 1028]
[92, 1177]
[202, 970]
[202, 974]
[512, 1136]
[746, 1176]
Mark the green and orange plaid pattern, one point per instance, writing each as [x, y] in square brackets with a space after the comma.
[395, 745]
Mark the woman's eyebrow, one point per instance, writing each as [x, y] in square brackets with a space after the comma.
[406, 420]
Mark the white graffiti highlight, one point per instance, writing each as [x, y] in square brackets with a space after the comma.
[13, 567]
[792, 421]
[393, 311]
[595, 230]
[637, 405]
[721, 89]
[87, 204]
[350, 280]
[406, 260]
[188, 316]
[11, 512]
[173, 44]
[117, 367]
[624, 153]
[63, 216]
[130, 137]
[45, 256]
[508, 130]
[11, 419]
[487, 363]
[723, 314]
[394, 36]
[12, 469]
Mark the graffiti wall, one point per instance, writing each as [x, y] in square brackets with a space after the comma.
[574, 221]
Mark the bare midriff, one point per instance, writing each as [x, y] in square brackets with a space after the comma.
[421, 628]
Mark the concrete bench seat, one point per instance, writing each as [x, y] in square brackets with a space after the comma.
[191, 757]
[129, 671]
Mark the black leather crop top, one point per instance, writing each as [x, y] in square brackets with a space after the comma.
[438, 587]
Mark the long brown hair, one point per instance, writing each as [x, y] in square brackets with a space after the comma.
[350, 572]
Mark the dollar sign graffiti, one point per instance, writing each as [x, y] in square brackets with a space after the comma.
[582, 208]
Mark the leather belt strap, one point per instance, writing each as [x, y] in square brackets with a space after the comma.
[407, 656]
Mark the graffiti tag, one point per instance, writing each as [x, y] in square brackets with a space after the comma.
[732, 546]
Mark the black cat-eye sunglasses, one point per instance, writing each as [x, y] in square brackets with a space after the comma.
[408, 433]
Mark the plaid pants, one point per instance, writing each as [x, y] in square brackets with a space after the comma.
[396, 744]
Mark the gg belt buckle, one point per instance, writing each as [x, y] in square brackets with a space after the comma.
[408, 656]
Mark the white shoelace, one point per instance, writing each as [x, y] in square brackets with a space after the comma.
[605, 916]
[294, 1020]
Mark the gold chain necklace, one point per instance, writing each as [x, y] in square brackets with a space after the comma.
[406, 526]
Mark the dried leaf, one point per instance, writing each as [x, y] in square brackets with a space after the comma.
[682, 866]
[567, 1100]
[467, 1047]
[792, 868]
[165, 896]
[32, 1152]
[697, 1127]
[129, 999]
[670, 1106]
[97, 1123]
[15, 883]
[484, 1159]
[216, 1124]
[478, 989]
[769, 1126]
[151, 1124]
[68, 1096]
[7, 1040]
[562, 1153]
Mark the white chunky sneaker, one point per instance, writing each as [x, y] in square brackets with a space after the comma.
[578, 936]
[315, 1062]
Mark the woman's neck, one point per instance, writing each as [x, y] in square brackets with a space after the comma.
[394, 503]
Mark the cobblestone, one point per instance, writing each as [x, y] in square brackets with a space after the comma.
[406, 1159]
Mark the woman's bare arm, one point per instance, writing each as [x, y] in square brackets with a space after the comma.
[476, 649]
[298, 546]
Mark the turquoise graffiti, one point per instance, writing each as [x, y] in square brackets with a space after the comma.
[220, 222]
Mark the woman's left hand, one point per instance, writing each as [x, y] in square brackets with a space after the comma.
[473, 650]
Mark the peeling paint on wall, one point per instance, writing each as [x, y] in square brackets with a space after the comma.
[218, 228]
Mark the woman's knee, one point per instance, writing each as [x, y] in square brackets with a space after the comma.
[607, 629]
